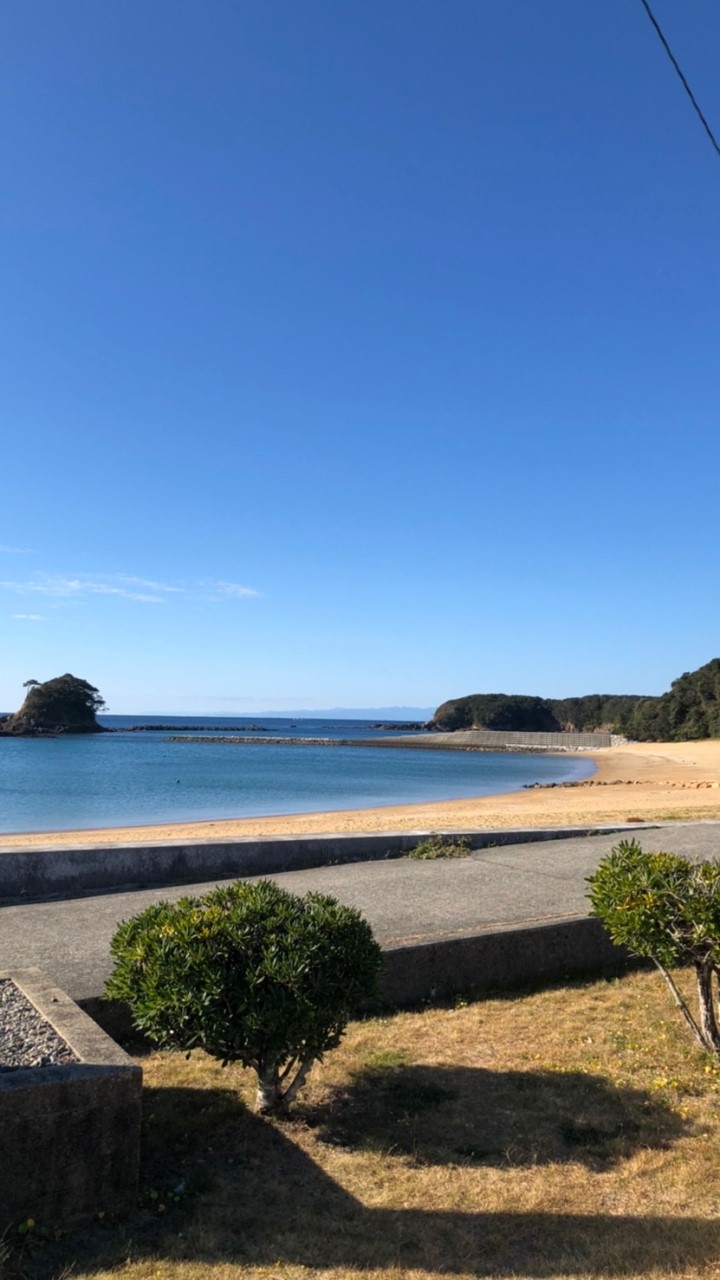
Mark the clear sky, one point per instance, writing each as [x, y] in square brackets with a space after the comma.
[357, 352]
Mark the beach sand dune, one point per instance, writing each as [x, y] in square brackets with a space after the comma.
[646, 780]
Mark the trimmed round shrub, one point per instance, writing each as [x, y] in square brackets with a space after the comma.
[250, 973]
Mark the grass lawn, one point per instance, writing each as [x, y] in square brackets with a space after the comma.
[571, 1132]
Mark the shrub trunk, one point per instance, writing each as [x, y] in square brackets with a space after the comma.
[271, 1099]
[704, 970]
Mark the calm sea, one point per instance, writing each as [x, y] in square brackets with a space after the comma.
[126, 778]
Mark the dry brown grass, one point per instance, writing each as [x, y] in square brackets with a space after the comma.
[571, 1132]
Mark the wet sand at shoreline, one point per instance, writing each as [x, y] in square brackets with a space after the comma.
[668, 781]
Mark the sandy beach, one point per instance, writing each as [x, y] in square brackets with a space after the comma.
[644, 780]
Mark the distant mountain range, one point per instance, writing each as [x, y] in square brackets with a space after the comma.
[343, 713]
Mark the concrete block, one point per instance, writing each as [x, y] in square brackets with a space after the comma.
[69, 1135]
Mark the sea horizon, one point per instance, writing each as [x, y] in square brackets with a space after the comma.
[332, 713]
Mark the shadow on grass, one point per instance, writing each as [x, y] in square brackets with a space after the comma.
[254, 1198]
[449, 1115]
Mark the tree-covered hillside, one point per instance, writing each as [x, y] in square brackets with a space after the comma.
[690, 709]
[594, 711]
[63, 705]
[496, 711]
[543, 715]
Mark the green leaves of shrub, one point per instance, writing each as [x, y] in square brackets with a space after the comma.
[250, 973]
[658, 904]
[664, 907]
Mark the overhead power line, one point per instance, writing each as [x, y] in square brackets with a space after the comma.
[684, 82]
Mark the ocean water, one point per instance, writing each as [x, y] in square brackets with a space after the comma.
[127, 778]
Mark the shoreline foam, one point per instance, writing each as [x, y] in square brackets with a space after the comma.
[645, 781]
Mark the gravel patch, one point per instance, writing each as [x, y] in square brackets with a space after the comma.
[26, 1038]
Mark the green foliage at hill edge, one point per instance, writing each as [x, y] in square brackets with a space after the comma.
[595, 711]
[65, 704]
[689, 710]
[496, 711]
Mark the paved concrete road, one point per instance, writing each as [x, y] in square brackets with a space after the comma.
[405, 901]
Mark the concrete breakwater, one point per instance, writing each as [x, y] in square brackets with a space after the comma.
[188, 728]
[225, 739]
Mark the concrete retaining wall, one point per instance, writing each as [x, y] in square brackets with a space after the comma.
[499, 961]
[504, 739]
[28, 874]
[69, 1136]
[472, 965]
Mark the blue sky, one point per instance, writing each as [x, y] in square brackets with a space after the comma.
[357, 353]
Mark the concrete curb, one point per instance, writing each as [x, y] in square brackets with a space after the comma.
[33, 874]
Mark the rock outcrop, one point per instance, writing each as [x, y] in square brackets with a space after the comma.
[63, 705]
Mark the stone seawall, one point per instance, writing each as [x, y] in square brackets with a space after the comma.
[460, 740]
[514, 740]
